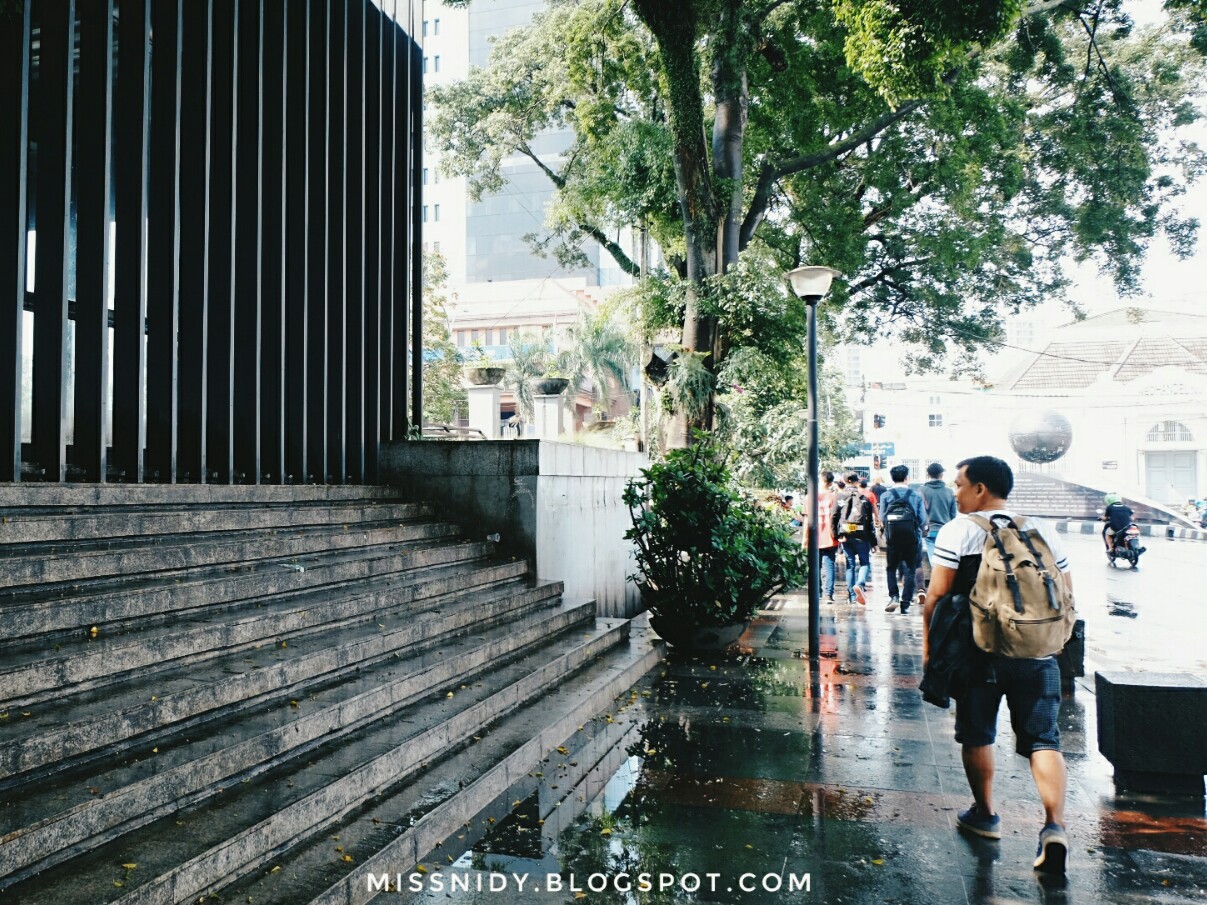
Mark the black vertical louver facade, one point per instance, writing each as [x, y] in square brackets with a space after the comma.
[209, 266]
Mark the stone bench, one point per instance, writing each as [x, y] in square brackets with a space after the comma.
[1153, 728]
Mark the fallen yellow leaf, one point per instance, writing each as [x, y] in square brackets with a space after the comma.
[421, 869]
[118, 883]
[605, 832]
[879, 862]
[347, 858]
[276, 869]
[130, 866]
[651, 751]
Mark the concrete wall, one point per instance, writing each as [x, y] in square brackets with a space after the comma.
[486, 487]
[581, 522]
[556, 504]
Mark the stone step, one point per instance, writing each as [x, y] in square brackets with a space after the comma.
[49, 822]
[233, 827]
[57, 525]
[73, 563]
[106, 603]
[456, 800]
[36, 494]
[34, 565]
[282, 632]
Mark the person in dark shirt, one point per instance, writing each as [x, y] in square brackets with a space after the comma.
[1117, 516]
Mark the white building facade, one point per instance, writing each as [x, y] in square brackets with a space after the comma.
[1132, 384]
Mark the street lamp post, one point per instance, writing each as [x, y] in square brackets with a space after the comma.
[811, 284]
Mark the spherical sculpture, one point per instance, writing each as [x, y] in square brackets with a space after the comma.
[1041, 436]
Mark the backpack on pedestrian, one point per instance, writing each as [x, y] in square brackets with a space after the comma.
[901, 528]
[854, 514]
[1020, 604]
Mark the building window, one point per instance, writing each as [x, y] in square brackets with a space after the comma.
[436, 246]
[425, 65]
[936, 400]
[935, 420]
[425, 27]
[1170, 432]
[461, 338]
[475, 337]
[436, 27]
[436, 63]
[425, 175]
[490, 337]
[502, 336]
[425, 213]
[436, 212]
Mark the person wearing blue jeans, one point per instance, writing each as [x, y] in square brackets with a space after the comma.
[829, 571]
[859, 566]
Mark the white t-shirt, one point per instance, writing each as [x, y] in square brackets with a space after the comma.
[963, 537]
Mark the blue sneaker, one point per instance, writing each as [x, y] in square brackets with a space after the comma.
[1053, 849]
[977, 823]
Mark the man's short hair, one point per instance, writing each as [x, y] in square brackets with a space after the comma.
[934, 469]
[899, 473]
[990, 471]
[863, 482]
[853, 478]
[828, 477]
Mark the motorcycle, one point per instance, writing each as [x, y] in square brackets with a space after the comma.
[1126, 546]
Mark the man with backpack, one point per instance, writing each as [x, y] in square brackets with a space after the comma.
[1012, 576]
[903, 514]
[853, 520]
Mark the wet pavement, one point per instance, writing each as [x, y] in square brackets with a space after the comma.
[747, 767]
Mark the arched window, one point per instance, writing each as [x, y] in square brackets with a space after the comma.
[1170, 432]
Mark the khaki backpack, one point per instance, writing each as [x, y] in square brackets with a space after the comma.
[1020, 606]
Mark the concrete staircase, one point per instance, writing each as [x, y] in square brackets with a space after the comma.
[202, 688]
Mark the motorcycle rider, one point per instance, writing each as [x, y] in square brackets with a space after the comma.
[1117, 516]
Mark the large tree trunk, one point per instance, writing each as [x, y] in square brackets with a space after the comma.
[732, 93]
[674, 27]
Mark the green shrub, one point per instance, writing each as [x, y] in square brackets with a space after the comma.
[708, 553]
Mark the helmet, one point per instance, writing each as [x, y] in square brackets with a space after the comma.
[1112, 498]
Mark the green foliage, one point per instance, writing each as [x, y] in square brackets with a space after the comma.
[765, 422]
[903, 48]
[948, 157]
[708, 554]
[443, 394]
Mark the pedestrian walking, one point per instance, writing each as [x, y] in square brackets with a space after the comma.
[854, 521]
[1031, 685]
[827, 543]
[940, 509]
[903, 514]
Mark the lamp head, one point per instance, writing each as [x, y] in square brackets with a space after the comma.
[811, 282]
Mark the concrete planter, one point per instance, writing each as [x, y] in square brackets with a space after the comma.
[548, 386]
[485, 376]
[688, 637]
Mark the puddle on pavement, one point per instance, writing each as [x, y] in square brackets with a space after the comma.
[694, 772]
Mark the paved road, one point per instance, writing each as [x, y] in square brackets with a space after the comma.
[1152, 619]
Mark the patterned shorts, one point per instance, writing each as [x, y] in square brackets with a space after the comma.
[1032, 691]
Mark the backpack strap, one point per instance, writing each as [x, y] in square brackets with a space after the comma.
[1011, 578]
[1025, 532]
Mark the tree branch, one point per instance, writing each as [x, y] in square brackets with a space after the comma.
[770, 173]
[555, 178]
[611, 247]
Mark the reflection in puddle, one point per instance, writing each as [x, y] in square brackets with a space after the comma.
[1118, 607]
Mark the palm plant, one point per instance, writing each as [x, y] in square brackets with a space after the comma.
[529, 357]
[600, 350]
